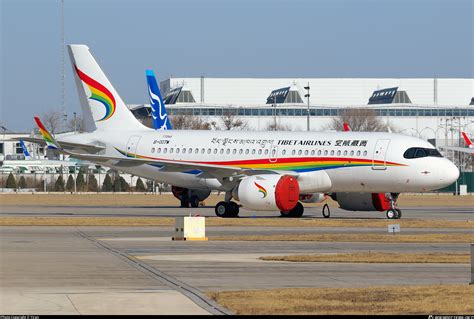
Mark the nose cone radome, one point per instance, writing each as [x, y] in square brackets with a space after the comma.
[448, 173]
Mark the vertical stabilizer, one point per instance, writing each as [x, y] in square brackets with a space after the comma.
[158, 110]
[101, 105]
[25, 150]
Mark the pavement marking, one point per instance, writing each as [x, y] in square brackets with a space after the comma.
[232, 258]
[192, 293]
[136, 239]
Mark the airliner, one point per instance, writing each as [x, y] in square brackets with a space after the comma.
[186, 196]
[263, 171]
[31, 165]
[469, 149]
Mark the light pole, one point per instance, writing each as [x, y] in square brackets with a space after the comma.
[75, 130]
[307, 111]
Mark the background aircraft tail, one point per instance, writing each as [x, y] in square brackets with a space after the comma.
[158, 110]
[25, 150]
[468, 140]
[102, 107]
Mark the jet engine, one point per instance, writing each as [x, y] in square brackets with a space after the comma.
[268, 192]
[363, 201]
[312, 198]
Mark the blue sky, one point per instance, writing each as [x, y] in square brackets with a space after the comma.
[259, 38]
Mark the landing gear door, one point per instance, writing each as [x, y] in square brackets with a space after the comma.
[132, 144]
[273, 154]
[380, 154]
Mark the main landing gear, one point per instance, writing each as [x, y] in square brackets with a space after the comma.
[227, 209]
[295, 212]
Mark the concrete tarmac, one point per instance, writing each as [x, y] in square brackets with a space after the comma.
[448, 213]
[140, 270]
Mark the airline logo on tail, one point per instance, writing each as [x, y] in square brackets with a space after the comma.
[25, 149]
[468, 140]
[99, 93]
[261, 190]
[158, 111]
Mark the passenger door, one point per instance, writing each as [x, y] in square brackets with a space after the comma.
[273, 154]
[380, 154]
[132, 144]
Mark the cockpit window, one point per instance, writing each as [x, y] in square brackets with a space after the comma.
[418, 152]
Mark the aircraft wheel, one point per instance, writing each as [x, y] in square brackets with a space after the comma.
[194, 201]
[222, 209]
[234, 209]
[326, 211]
[392, 214]
[399, 213]
[297, 211]
[184, 201]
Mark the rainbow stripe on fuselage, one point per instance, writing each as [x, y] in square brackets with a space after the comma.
[99, 93]
[295, 164]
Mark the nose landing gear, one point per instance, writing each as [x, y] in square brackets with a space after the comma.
[394, 212]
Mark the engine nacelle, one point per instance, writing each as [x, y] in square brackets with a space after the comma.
[312, 198]
[268, 192]
[362, 201]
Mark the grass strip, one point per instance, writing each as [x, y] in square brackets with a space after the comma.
[376, 257]
[385, 300]
[366, 237]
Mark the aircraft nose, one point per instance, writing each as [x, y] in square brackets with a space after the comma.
[450, 172]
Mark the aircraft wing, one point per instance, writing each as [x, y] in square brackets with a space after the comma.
[207, 170]
[458, 149]
[66, 145]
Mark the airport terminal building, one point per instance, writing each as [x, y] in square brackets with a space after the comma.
[425, 107]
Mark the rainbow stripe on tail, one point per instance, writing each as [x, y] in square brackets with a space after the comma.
[48, 138]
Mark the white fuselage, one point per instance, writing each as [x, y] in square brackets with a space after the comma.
[325, 161]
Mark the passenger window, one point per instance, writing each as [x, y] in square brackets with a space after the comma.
[352, 153]
[177, 151]
[165, 150]
[313, 152]
[190, 151]
[171, 150]
[338, 152]
[325, 152]
[227, 151]
[259, 152]
[306, 152]
[299, 152]
[332, 152]
[345, 153]
[158, 150]
[215, 151]
[253, 152]
[184, 151]
[365, 153]
[266, 152]
[283, 152]
[358, 153]
[293, 152]
[203, 150]
[153, 150]
[222, 151]
[208, 151]
[234, 151]
[320, 152]
[247, 151]
[240, 151]
[196, 151]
